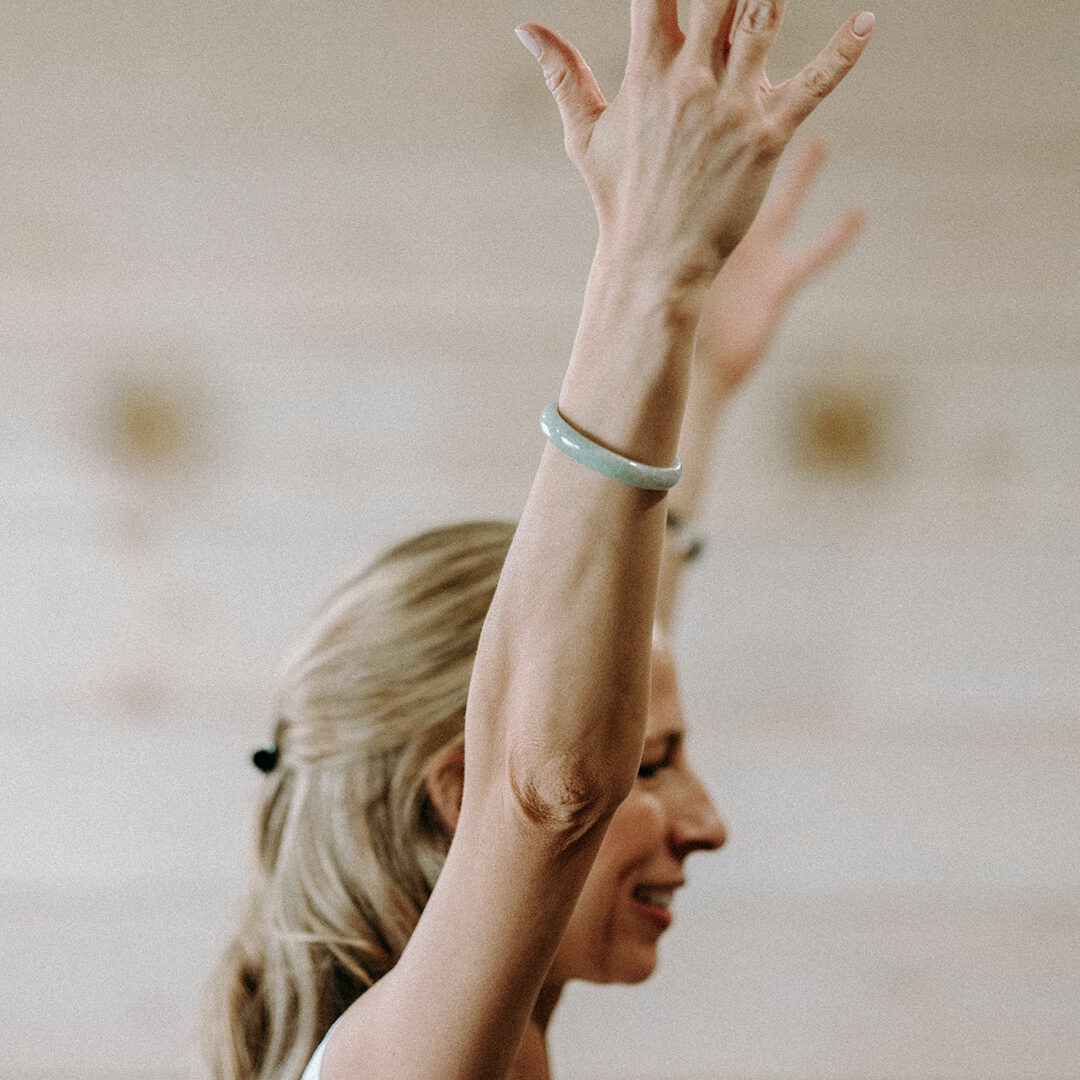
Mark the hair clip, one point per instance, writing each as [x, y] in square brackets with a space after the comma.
[265, 758]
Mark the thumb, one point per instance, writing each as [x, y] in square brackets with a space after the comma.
[569, 79]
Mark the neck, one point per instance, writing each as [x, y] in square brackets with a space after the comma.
[531, 1062]
[546, 1001]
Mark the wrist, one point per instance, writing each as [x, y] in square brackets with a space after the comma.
[659, 279]
[626, 384]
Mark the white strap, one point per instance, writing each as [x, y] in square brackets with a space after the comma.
[314, 1066]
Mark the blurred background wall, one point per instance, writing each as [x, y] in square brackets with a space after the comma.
[281, 283]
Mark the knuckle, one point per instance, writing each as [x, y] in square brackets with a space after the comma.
[692, 84]
[760, 16]
[556, 79]
[766, 139]
[688, 104]
[818, 82]
[739, 117]
[848, 54]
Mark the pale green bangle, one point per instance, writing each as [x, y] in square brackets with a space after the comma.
[593, 456]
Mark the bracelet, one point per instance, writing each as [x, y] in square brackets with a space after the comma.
[606, 462]
[688, 542]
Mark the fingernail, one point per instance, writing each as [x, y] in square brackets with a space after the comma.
[864, 23]
[529, 42]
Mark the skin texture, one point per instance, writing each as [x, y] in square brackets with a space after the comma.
[677, 164]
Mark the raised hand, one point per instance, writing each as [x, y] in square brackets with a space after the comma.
[678, 162]
[744, 306]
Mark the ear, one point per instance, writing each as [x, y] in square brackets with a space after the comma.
[445, 780]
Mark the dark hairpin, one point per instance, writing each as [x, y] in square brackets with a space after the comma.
[265, 758]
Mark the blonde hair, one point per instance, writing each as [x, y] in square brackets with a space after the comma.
[348, 845]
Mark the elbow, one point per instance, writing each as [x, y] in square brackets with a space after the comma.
[567, 799]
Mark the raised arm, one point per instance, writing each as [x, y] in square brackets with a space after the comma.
[677, 165]
[741, 313]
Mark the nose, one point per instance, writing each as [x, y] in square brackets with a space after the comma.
[696, 825]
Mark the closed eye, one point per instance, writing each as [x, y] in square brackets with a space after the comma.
[646, 772]
[648, 769]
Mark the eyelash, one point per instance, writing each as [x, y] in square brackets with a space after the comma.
[646, 772]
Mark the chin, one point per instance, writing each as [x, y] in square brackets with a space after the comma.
[639, 976]
[629, 970]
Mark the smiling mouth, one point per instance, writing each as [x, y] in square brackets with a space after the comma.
[652, 903]
[654, 896]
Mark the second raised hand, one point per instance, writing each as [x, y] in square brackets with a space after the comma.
[746, 303]
[677, 163]
[739, 317]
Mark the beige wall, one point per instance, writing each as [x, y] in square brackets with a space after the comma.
[283, 282]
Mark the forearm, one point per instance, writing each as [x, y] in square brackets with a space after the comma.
[563, 667]
[703, 419]
[677, 166]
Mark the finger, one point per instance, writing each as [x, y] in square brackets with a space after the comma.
[754, 35]
[723, 38]
[654, 30]
[569, 79]
[801, 94]
[708, 30]
[828, 249]
[780, 213]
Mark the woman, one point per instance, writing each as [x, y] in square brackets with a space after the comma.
[432, 872]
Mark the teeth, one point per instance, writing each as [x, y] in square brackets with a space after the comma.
[655, 897]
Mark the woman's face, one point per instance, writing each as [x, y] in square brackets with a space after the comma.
[625, 905]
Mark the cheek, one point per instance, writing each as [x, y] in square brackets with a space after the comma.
[636, 830]
[634, 838]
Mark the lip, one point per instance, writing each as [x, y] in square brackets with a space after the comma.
[658, 917]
